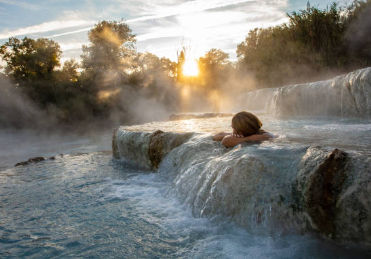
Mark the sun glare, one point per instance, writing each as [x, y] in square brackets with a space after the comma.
[190, 68]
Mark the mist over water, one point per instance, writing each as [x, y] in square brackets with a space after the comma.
[358, 32]
[17, 110]
[106, 207]
[82, 203]
[18, 146]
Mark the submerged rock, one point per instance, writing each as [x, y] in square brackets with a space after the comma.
[35, 160]
[31, 160]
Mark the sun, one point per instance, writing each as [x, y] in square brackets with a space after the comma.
[190, 68]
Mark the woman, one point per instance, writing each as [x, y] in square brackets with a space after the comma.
[246, 127]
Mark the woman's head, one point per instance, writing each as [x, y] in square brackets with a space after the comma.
[246, 124]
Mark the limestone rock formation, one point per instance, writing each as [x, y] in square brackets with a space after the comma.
[286, 189]
[146, 148]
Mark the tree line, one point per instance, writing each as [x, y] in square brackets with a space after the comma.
[315, 44]
[104, 88]
[115, 84]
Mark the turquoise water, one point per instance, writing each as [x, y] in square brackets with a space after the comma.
[85, 204]
[92, 206]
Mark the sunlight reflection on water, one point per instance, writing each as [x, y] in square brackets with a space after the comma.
[351, 135]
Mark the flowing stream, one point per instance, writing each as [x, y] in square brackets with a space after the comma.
[83, 203]
[91, 206]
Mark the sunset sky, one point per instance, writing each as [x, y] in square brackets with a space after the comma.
[161, 27]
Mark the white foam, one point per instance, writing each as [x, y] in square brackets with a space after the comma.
[206, 238]
[340, 127]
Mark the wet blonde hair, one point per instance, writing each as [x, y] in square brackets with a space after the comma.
[247, 124]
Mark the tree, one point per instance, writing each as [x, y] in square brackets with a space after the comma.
[30, 59]
[150, 64]
[157, 78]
[215, 69]
[321, 31]
[309, 47]
[179, 66]
[358, 36]
[110, 44]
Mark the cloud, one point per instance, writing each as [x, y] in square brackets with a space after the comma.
[71, 46]
[20, 4]
[222, 27]
[187, 8]
[44, 27]
[157, 11]
[161, 11]
[162, 27]
[70, 32]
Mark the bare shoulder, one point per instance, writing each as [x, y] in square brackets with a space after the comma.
[220, 136]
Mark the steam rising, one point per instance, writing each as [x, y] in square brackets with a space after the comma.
[358, 33]
[17, 110]
[125, 87]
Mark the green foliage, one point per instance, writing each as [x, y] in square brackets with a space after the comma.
[358, 34]
[103, 89]
[30, 59]
[214, 68]
[150, 64]
[313, 43]
[110, 43]
[113, 78]
[69, 71]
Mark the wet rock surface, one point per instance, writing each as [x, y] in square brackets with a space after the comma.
[146, 148]
[281, 189]
[161, 143]
[333, 193]
[33, 160]
[319, 181]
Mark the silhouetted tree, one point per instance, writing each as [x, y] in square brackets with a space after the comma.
[358, 33]
[30, 59]
[215, 69]
[311, 46]
[180, 63]
[111, 42]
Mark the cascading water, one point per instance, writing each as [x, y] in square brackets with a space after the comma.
[344, 96]
[306, 179]
[191, 197]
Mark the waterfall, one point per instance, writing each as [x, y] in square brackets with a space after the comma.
[344, 96]
[314, 177]
[270, 187]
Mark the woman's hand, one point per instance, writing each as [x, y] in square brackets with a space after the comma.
[258, 137]
[231, 140]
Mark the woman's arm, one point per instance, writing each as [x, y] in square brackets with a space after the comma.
[231, 141]
[220, 136]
